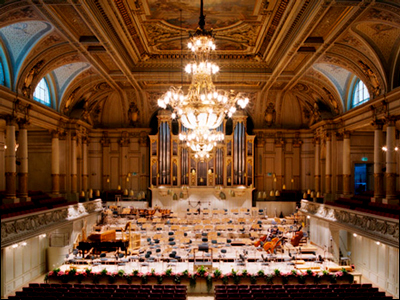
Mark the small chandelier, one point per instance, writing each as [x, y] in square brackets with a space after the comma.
[204, 107]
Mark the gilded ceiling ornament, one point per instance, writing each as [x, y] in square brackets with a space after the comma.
[316, 114]
[86, 113]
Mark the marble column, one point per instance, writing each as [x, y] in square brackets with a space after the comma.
[55, 163]
[124, 162]
[295, 181]
[328, 165]
[105, 142]
[317, 174]
[85, 175]
[279, 159]
[10, 157]
[74, 167]
[23, 158]
[391, 163]
[378, 162]
[346, 165]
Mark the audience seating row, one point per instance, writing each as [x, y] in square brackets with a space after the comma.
[379, 209]
[298, 292]
[101, 291]
[39, 202]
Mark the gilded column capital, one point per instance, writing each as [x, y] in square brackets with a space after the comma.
[105, 141]
[143, 139]
[85, 140]
[55, 134]
[339, 136]
[391, 120]
[23, 123]
[10, 120]
[124, 141]
[297, 142]
[378, 124]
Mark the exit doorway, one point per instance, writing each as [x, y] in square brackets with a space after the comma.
[363, 178]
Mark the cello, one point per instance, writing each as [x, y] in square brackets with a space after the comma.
[270, 247]
[295, 241]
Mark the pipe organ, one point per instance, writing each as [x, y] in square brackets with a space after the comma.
[230, 163]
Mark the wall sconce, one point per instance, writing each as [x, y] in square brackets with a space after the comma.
[127, 179]
[119, 187]
[193, 172]
[385, 148]
[229, 180]
[23, 244]
[108, 180]
[284, 187]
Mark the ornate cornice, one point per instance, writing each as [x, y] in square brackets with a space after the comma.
[385, 230]
[17, 229]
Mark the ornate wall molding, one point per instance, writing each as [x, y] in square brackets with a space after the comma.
[16, 229]
[379, 228]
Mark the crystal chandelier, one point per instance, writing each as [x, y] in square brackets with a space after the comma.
[204, 107]
[201, 140]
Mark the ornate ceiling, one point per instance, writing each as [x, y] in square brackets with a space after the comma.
[108, 59]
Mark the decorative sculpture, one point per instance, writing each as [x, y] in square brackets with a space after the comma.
[270, 114]
[26, 89]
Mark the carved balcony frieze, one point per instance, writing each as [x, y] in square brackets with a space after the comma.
[376, 227]
[16, 229]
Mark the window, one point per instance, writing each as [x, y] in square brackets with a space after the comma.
[41, 93]
[2, 78]
[360, 94]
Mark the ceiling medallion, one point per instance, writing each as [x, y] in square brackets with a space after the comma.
[203, 108]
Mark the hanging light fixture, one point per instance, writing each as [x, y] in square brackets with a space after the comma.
[204, 107]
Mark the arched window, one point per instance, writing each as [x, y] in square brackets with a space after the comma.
[2, 78]
[42, 93]
[360, 93]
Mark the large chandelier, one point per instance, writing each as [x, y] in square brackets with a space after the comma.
[204, 107]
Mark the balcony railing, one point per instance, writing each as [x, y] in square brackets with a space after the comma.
[380, 228]
[18, 228]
